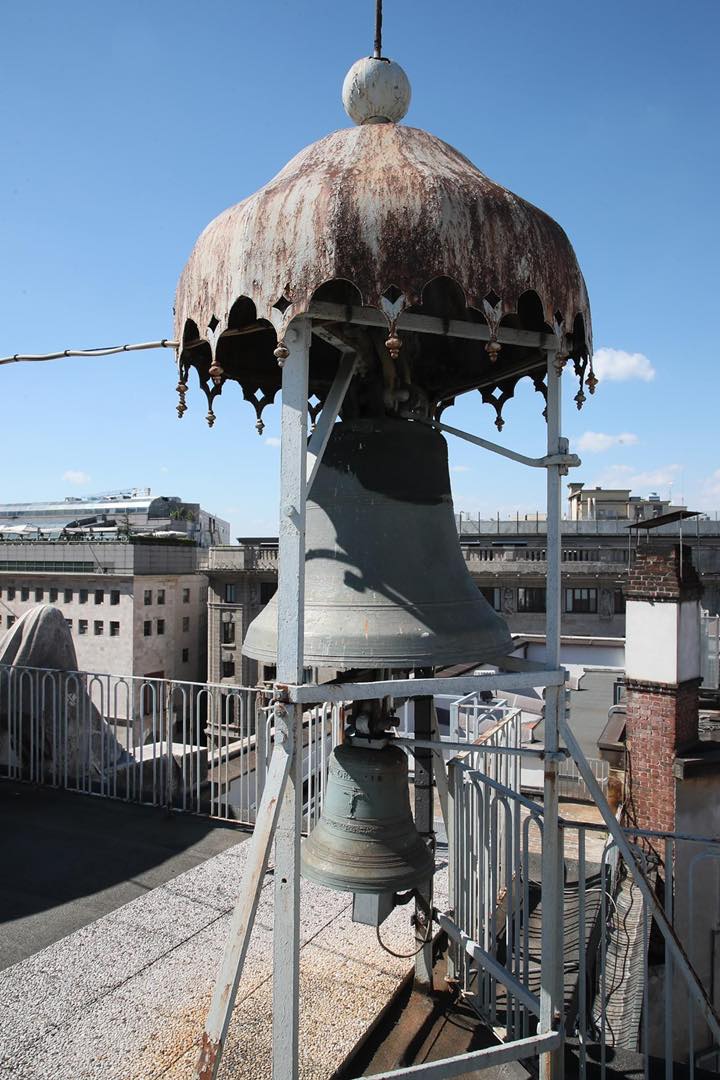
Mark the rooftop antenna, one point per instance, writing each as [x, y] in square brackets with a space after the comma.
[377, 53]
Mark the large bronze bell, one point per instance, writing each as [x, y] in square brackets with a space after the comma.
[385, 581]
[366, 841]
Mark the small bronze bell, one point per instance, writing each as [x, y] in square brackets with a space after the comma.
[365, 840]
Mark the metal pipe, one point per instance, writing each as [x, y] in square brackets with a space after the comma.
[551, 967]
[567, 460]
[471, 1064]
[442, 744]
[291, 624]
[489, 962]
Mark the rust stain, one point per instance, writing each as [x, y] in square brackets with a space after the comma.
[378, 207]
[209, 1051]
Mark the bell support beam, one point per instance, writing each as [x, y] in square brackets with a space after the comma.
[431, 324]
[329, 414]
[414, 688]
[551, 965]
[291, 604]
[243, 916]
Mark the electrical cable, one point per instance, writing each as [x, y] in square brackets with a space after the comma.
[406, 956]
[164, 343]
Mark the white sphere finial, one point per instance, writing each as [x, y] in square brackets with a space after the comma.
[376, 91]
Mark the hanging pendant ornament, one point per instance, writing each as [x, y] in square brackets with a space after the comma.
[393, 343]
[181, 391]
[592, 379]
[563, 353]
[216, 373]
[281, 353]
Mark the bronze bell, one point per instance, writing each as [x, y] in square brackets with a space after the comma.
[385, 581]
[365, 840]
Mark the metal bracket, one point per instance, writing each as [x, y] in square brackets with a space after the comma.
[563, 459]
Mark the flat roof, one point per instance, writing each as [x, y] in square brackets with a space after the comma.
[663, 519]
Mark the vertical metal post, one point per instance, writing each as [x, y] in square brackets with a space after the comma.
[291, 609]
[551, 980]
[424, 815]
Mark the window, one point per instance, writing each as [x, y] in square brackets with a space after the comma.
[10, 620]
[185, 656]
[230, 593]
[67, 596]
[39, 596]
[161, 626]
[531, 599]
[114, 597]
[267, 591]
[68, 623]
[99, 596]
[186, 624]
[114, 629]
[82, 596]
[581, 600]
[147, 628]
[24, 592]
[53, 596]
[619, 602]
[11, 592]
[493, 597]
[228, 669]
[161, 596]
[98, 627]
[228, 633]
[148, 597]
[82, 626]
[186, 596]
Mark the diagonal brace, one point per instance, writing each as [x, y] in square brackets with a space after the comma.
[243, 916]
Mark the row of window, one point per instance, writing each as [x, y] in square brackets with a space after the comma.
[98, 627]
[232, 592]
[53, 595]
[160, 596]
[577, 601]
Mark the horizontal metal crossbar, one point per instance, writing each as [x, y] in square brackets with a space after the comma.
[470, 1064]
[430, 324]
[311, 693]
[448, 744]
[482, 957]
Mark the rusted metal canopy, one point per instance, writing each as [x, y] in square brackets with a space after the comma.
[377, 215]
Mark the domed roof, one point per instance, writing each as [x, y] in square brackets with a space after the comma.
[382, 206]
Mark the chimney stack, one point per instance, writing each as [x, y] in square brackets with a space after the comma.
[662, 670]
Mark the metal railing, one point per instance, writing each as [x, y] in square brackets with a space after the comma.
[623, 993]
[196, 747]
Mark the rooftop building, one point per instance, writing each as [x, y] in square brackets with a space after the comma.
[111, 515]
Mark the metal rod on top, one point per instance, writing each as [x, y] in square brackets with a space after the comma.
[378, 30]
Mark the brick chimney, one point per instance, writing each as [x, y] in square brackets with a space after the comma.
[662, 670]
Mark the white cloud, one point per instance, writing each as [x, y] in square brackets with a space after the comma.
[460, 468]
[164, 469]
[76, 477]
[640, 483]
[596, 442]
[616, 365]
[272, 441]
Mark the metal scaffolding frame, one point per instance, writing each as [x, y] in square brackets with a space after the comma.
[279, 813]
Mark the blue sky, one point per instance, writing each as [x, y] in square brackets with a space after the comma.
[126, 128]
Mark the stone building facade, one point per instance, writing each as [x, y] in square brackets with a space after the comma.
[133, 608]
